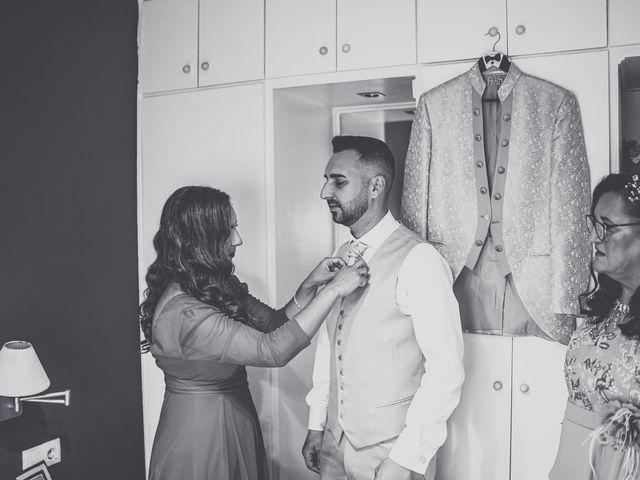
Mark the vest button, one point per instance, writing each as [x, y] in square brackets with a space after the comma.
[497, 196]
[339, 342]
[500, 169]
[341, 372]
[478, 243]
[478, 137]
[505, 142]
[341, 387]
[483, 190]
[485, 217]
[476, 111]
[479, 164]
[498, 248]
[341, 312]
[506, 117]
[341, 402]
[340, 357]
[339, 326]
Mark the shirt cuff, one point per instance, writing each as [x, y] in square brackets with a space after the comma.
[408, 455]
[317, 417]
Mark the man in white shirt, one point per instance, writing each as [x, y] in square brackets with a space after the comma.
[388, 367]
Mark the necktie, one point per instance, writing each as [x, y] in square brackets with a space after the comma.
[355, 251]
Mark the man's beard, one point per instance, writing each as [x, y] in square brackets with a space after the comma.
[349, 213]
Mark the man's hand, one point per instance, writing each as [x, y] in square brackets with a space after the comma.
[390, 470]
[311, 450]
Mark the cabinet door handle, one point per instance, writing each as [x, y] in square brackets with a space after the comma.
[520, 29]
[524, 388]
[186, 68]
[204, 65]
[323, 50]
[346, 48]
[497, 385]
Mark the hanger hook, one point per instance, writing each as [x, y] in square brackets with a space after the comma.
[492, 32]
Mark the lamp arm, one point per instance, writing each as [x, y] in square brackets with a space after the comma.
[63, 397]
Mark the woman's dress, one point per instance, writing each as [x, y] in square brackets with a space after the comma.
[208, 427]
[602, 421]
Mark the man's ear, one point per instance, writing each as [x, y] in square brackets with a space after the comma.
[377, 186]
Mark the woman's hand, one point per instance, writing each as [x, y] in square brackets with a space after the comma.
[348, 279]
[324, 272]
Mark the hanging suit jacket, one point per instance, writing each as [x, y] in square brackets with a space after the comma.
[540, 194]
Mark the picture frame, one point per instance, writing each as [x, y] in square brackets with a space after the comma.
[39, 471]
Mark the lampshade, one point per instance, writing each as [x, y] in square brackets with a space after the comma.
[21, 372]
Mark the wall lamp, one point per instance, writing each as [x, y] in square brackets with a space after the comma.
[21, 378]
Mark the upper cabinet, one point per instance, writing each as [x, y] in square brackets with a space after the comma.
[376, 33]
[552, 26]
[623, 22]
[169, 45]
[316, 36]
[457, 29]
[300, 37]
[191, 43]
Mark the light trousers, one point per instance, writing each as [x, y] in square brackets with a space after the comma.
[342, 461]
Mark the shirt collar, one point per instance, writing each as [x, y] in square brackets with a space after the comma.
[380, 232]
[513, 75]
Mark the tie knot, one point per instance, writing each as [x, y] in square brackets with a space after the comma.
[355, 251]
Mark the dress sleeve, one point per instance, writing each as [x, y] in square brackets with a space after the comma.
[208, 334]
[262, 316]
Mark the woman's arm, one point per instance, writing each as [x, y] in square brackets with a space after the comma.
[267, 319]
[210, 334]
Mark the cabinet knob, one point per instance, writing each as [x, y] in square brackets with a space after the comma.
[346, 48]
[204, 65]
[524, 388]
[497, 385]
[493, 31]
[520, 29]
[186, 68]
[323, 50]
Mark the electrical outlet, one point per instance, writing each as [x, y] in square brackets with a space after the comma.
[49, 451]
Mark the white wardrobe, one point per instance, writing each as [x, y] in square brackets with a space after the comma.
[289, 75]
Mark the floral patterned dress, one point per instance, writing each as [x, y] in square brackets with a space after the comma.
[602, 423]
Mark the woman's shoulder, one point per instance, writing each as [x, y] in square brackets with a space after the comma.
[174, 302]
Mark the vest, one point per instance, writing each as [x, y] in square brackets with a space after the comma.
[376, 363]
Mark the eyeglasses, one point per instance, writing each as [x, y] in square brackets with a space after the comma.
[601, 228]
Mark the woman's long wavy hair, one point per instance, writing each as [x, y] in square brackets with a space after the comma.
[599, 301]
[190, 247]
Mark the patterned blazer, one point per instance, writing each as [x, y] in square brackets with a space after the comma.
[539, 198]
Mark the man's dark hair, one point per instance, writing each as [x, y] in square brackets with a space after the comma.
[371, 151]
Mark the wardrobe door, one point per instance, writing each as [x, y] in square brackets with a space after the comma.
[376, 33]
[231, 157]
[300, 37]
[539, 400]
[169, 45]
[231, 41]
[483, 416]
[457, 29]
[553, 26]
[623, 22]
[170, 159]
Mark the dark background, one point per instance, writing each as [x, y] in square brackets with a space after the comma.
[68, 251]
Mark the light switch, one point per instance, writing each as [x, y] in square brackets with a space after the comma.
[49, 451]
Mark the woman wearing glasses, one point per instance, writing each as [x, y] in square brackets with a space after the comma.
[601, 430]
